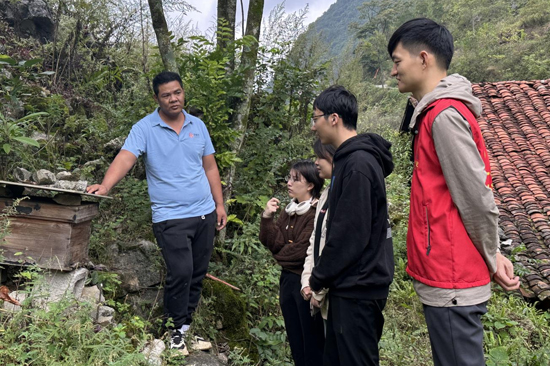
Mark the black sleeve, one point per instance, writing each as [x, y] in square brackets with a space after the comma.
[350, 231]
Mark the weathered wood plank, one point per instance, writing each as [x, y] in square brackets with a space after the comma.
[47, 234]
[46, 209]
[39, 242]
[11, 185]
[80, 238]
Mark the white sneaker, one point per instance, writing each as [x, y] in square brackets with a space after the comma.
[178, 343]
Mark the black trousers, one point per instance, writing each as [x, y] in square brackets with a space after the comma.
[456, 334]
[186, 246]
[305, 333]
[354, 328]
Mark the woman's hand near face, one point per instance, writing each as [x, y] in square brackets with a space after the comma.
[271, 207]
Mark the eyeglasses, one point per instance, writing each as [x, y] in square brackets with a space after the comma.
[314, 119]
[292, 178]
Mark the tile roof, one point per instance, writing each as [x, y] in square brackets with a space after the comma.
[516, 128]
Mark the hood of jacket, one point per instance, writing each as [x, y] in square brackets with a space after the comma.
[453, 86]
[374, 144]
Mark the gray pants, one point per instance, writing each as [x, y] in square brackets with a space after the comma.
[456, 334]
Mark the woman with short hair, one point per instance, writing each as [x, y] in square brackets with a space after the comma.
[288, 239]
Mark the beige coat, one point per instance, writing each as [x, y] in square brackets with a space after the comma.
[309, 262]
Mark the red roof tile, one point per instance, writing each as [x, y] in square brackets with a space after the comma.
[516, 128]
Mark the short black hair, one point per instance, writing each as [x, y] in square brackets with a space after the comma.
[323, 151]
[165, 77]
[337, 99]
[307, 169]
[424, 32]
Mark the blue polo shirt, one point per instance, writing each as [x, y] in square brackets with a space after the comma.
[178, 187]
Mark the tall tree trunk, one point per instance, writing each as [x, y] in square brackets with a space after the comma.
[227, 10]
[163, 35]
[143, 49]
[239, 119]
[248, 61]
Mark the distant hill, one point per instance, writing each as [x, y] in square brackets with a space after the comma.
[333, 25]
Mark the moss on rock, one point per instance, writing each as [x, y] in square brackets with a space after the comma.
[229, 308]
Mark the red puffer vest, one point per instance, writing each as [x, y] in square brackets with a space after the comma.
[439, 250]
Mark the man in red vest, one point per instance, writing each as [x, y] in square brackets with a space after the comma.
[452, 241]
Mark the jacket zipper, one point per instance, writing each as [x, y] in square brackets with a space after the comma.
[428, 234]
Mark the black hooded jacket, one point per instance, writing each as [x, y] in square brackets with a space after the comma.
[357, 260]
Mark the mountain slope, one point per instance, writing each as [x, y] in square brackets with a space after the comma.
[333, 25]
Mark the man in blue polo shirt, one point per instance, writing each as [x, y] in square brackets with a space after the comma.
[185, 192]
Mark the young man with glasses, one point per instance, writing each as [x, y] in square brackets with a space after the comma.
[357, 262]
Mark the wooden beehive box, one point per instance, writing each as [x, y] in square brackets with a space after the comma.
[45, 233]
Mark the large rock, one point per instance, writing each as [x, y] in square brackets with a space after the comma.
[43, 177]
[140, 264]
[64, 175]
[104, 316]
[147, 303]
[22, 174]
[141, 271]
[229, 309]
[58, 284]
[93, 295]
[29, 18]
[153, 352]
[79, 186]
[223, 358]
[68, 199]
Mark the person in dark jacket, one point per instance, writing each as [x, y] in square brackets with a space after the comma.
[357, 264]
[288, 240]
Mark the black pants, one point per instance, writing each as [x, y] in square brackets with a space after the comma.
[305, 333]
[354, 328]
[456, 334]
[186, 246]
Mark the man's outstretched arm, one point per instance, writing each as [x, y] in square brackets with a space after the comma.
[122, 164]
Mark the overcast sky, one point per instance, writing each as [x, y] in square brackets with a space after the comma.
[206, 17]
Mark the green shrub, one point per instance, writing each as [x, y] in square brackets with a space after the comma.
[64, 335]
